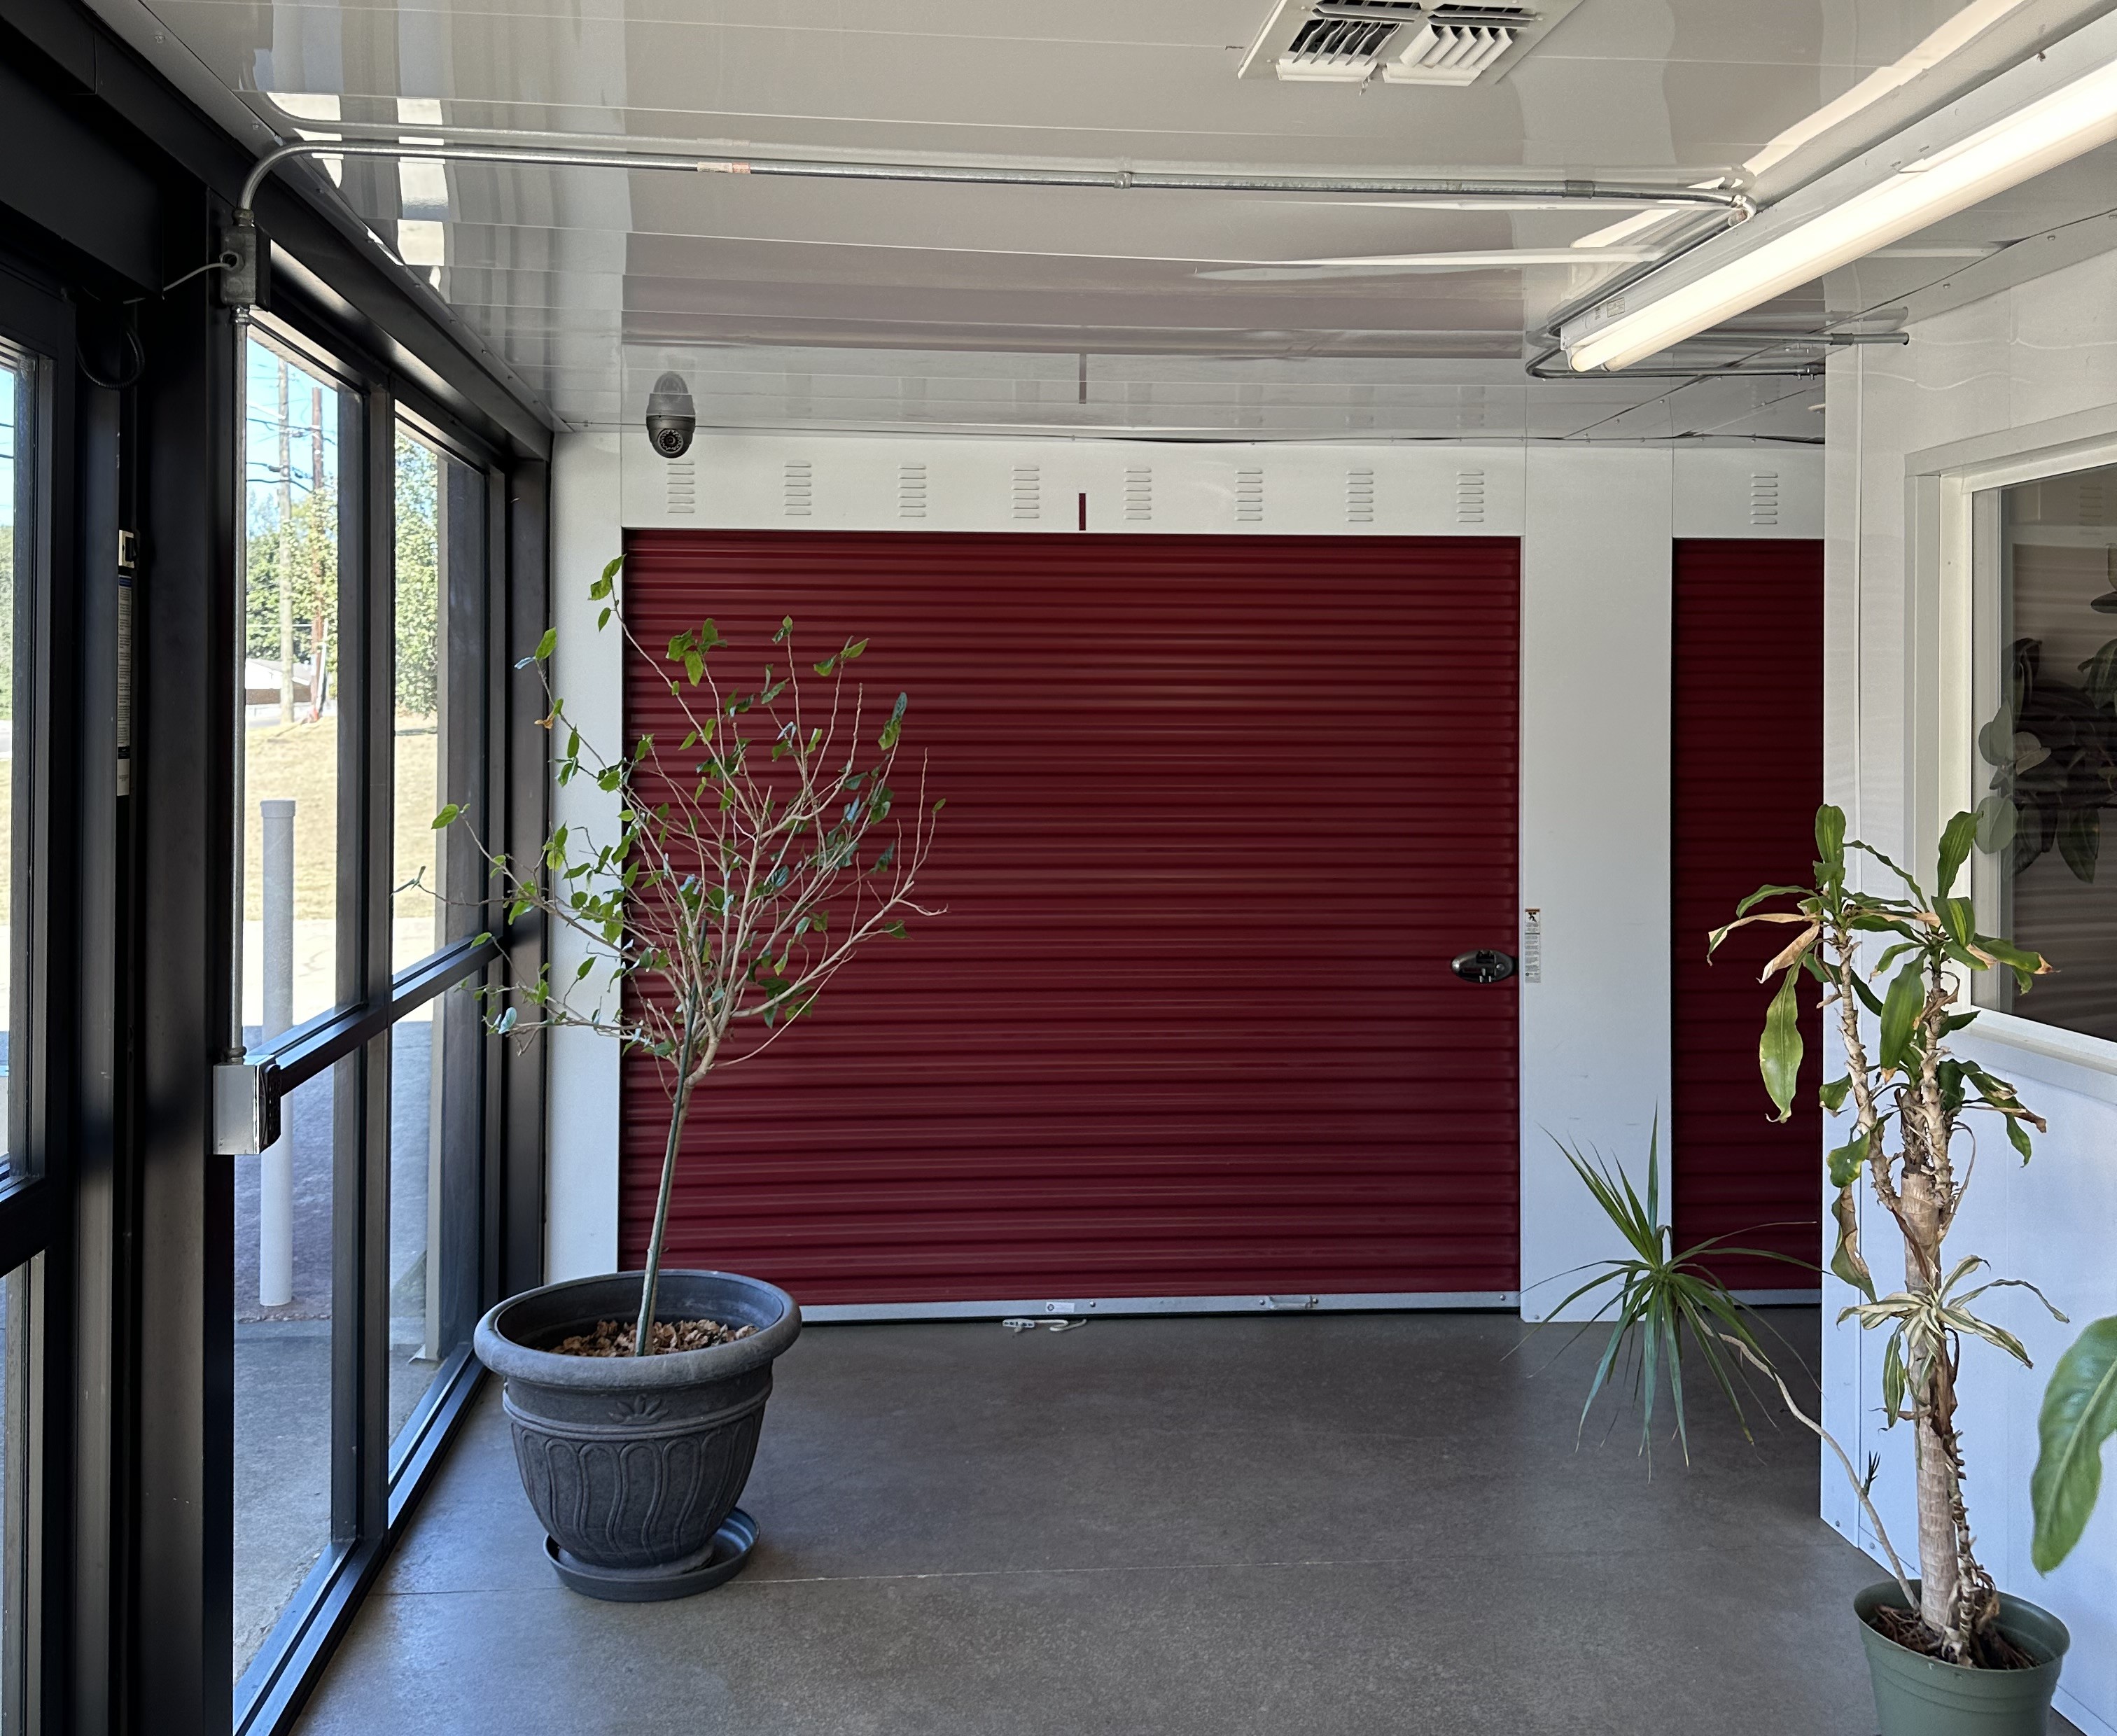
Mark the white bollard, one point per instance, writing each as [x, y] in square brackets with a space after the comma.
[275, 1181]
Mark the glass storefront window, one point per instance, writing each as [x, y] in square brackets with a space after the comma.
[438, 740]
[351, 731]
[298, 730]
[440, 576]
[435, 1124]
[15, 1385]
[297, 725]
[2046, 746]
[14, 594]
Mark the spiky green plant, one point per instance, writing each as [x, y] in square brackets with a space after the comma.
[1659, 1295]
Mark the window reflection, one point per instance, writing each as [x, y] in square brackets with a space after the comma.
[2047, 744]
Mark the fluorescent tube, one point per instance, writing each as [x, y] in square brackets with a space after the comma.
[2073, 119]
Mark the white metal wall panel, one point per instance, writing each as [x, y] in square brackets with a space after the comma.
[741, 482]
[1765, 492]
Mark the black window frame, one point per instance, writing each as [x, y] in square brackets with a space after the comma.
[116, 190]
[51, 1001]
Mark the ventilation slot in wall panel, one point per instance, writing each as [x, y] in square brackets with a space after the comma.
[1139, 492]
[1028, 491]
[1764, 497]
[911, 490]
[800, 488]
[683, 481]
[1359, 497]
[1249, 497]
[1470, 497]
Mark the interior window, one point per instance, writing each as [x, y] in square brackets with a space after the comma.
[2046, 749]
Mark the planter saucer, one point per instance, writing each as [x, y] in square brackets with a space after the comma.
[727, 1557]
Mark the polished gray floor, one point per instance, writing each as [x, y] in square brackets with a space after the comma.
[1358, 1524]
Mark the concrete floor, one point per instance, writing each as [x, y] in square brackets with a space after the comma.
[1355, 1524]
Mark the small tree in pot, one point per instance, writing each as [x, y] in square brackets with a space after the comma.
[751, 860]
[1910, 1098]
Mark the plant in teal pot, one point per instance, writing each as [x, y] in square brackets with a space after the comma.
[1951, 1655]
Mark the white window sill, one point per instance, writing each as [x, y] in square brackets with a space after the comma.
[2068, 1059]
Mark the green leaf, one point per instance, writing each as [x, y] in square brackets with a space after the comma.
[1960, 919]
[786, 628]
[1894, 1377]
[2079, 1416]
[2080, 841]
[1995, 741]
[1900, 1014]
[1833, 1094]
[1998, 820]
[548, 644]
[2017, 1136]
[1845, 1162]
[1846, 1265]
[1955, 845]
[2024, 963]
[447, 816]
[1762, 893]
[1779, 1049]
[1830, 835]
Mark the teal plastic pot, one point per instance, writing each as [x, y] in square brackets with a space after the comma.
[1918, 1696]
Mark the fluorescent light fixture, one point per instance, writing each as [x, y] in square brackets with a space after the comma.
[1929, 186]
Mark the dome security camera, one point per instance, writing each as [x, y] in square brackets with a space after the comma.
[672, 417]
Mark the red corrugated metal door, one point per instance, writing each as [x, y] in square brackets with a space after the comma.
[1748, 760]
[1219, 812]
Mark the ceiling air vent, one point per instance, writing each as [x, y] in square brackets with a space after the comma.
[1407, 42]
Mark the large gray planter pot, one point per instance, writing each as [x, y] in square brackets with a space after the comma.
[634, 1464]
[1919, 1696]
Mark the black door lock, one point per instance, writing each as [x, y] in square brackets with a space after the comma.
[1484, 966]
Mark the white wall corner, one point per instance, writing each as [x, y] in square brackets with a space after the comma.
[2017, 378]
[581, 1178]
[1597, 622]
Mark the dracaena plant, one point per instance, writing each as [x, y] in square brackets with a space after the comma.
[1912, 1106]
[749, 861]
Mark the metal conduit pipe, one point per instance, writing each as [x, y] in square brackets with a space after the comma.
[1737, 205]
[1539, 367]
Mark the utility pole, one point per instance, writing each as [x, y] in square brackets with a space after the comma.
[286, 553]
[318, 643]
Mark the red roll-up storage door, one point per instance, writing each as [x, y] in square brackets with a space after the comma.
[1748, 760]
[1220, 810]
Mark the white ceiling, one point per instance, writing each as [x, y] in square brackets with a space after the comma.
[873, 304]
